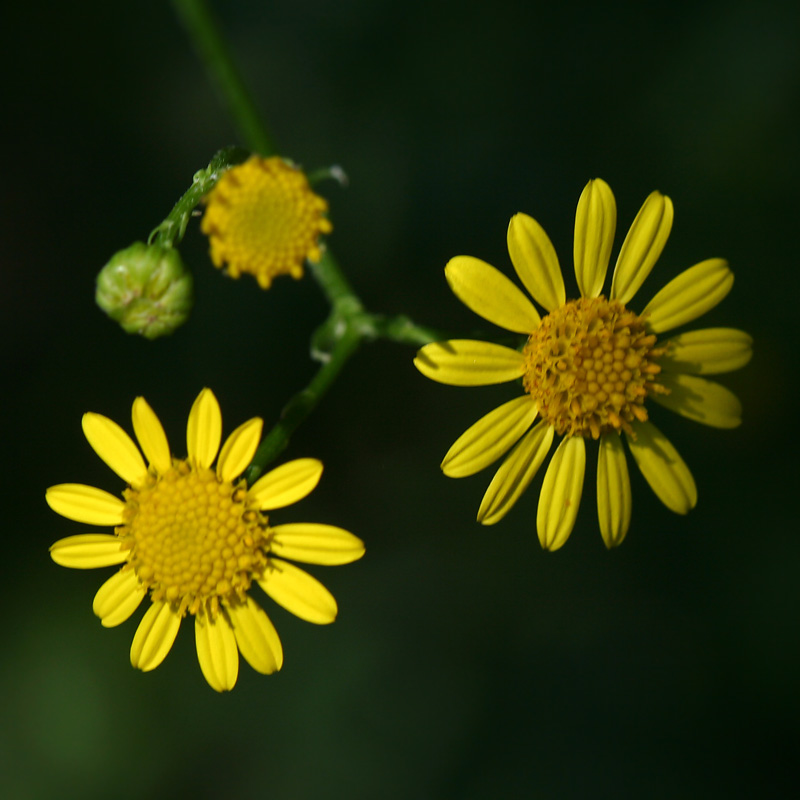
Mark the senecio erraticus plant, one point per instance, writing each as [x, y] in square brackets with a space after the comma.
[192, 535]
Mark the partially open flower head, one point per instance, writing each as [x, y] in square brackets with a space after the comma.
[146, 289]
[588, 367]
[194, 538]
[263, 218]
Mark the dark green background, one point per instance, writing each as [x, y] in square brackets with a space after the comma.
[465, 663]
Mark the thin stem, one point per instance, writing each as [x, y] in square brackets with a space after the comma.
[334, 285]
[170, 232]
[404, 330]
[302, 404]
[349, 323]
[203, 30]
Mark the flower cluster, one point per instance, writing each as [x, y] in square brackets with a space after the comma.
[193, 537]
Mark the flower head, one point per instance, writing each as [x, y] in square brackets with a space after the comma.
[263, 218]
[147, 289]
[194, 538]
[589, 367]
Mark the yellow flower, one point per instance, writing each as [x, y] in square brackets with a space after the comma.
[195, 538]
[263, 218]
[588, 368]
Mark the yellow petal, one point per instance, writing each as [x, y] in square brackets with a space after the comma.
[115, 447]
[466, 362]
[85, 504]
[486, 291]
[595, 224]
[699, 399]
[88, 551]
[695, 291]
[561, 493]
[239, 449]
[535, 261]
[663, 468]
[256, 636]
[491, 436]
[150, 433]
[204, 430]
[315, 544]
[298, 592]
[515, 474]
[613, 490]
[707, 351]
[154, 636]
[216, 651]
[118, 598]
[286, 484]
[642, 246]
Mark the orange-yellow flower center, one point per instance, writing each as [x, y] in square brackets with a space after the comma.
[590, 366]
[263, 218]
[193, 538]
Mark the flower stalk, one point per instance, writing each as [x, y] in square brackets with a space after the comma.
[335, 341]
[213, 51]
[171, 231]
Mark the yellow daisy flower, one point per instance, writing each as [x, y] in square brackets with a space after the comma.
[588, 368]
[195, 537]
[263, 218]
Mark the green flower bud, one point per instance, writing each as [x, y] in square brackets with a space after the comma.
[147, 289]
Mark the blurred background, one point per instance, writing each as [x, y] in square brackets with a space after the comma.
[465, 662]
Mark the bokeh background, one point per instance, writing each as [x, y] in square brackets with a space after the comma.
[465, 663]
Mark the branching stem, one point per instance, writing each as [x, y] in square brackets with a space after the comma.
[348, 324]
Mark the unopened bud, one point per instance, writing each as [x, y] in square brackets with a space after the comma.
[147, 289]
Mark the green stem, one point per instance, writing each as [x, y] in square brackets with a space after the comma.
[303, 403]
[203, 30]
[335, 286]
[170, 232]
[349, 323]
[404, 330]
[347, 305]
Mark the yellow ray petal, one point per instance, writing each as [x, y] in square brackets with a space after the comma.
[115, 447]
[150, 433]
[642, 246]
[216, 651]
[315, 544]
[154, 637]
[85, 504]
[489, 293]
[491, 436]
[239, 449]
[285, 484]
[466, 362]
[515, 474]
[118, 598]
[708, 351]
[561, 493]
[298, 592]
[535, 260]
[613, 490]
[699, 399]
[595, 224]
[88, 551]
[663, 468]
[256, 636]
[204, 429]
[695, 291]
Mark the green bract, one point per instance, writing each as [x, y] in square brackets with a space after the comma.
[147, 289]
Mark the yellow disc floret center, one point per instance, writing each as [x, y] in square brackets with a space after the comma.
[590, 366]
[193, 539]
[263, 218]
